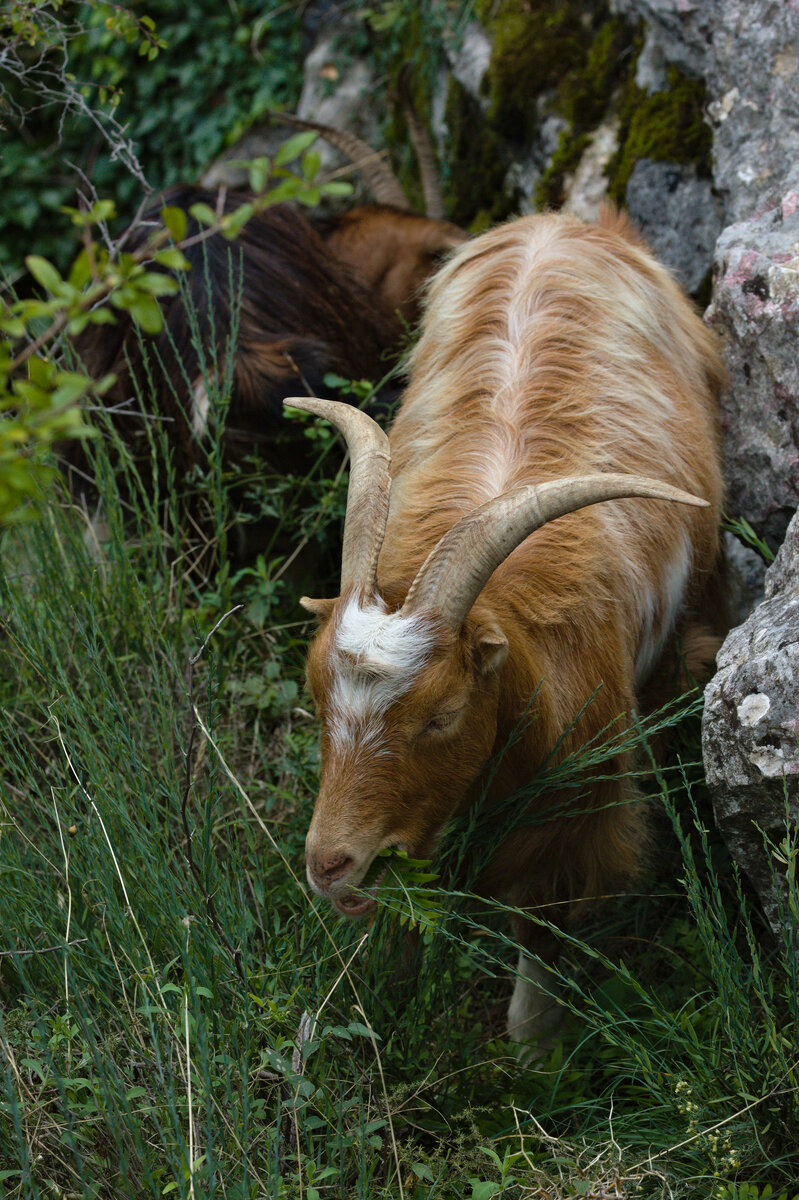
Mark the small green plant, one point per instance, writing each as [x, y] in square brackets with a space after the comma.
[746, 534]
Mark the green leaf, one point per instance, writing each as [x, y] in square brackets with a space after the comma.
[80, 271]
[294, 146]
[78, 324]
[102, 210]
[157, 285]
[44, 273]
[259, 174]
[311, 162]
[311, 197]
[41, 370]
[13, 326]
[483, 1190]
[363, 1030]
[337, 187]
[135, 1093]
[71, 387]
[175, 220]
[235, 222]
[422, 1172]
[203, 214]
[102, 316]
[172, 258]
[147, 314]
[285, 190]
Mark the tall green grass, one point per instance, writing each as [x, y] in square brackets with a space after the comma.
[180, 1017]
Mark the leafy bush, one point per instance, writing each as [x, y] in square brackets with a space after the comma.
[101, 102]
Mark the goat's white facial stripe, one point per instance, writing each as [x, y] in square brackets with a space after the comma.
[376, 657]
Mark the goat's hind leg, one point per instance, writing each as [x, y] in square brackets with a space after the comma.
[535, 1011]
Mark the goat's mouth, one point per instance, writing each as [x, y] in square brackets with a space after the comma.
[358, 904]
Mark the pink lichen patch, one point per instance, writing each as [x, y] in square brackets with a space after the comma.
[755, 307]
[790, 205]
[743, 270]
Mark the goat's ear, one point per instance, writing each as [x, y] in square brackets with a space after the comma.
[489, 647]
[321, 609]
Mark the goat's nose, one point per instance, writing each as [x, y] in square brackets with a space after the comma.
[327, 869]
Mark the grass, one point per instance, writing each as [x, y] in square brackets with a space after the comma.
[180, 1017]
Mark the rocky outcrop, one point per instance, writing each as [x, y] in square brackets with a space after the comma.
[678, 215]
[756, 310]
[750, 728]
[336, 90]
[747, 52]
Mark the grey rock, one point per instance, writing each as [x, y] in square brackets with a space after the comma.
[756, 310]
[750, 728]
[678, 215]
[341, 98]
[747, 51]
[746, 583]
[682, 29]
[527, 168]
[587, 187]
[469, 62]
[651, 69]
[346, 102]
[753, 86]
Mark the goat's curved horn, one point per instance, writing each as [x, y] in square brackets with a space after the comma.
[422, 147]
[367, 496]
[380, 179]
[456, 570]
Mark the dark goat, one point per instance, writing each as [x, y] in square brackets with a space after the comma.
[297, 312]
[308, 297]
[270, 313]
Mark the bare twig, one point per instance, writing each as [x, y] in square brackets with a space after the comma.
[42, 949]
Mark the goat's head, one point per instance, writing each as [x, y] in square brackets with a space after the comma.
[407, 680]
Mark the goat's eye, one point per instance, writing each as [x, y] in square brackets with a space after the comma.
[442, 721]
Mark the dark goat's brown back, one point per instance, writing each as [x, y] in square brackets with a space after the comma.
[277, 297]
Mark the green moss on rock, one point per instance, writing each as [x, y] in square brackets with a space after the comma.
[536, 44]
[549, 191]
[476, 194]
[585, 92]
[584, 96]
[668, 126]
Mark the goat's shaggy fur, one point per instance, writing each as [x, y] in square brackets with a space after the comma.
[550, 348]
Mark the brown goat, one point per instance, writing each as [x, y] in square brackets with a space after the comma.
[559, 365]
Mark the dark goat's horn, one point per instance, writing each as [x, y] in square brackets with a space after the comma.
[381, 180]
[423, 148]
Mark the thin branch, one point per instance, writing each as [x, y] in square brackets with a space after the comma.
[42, 949]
